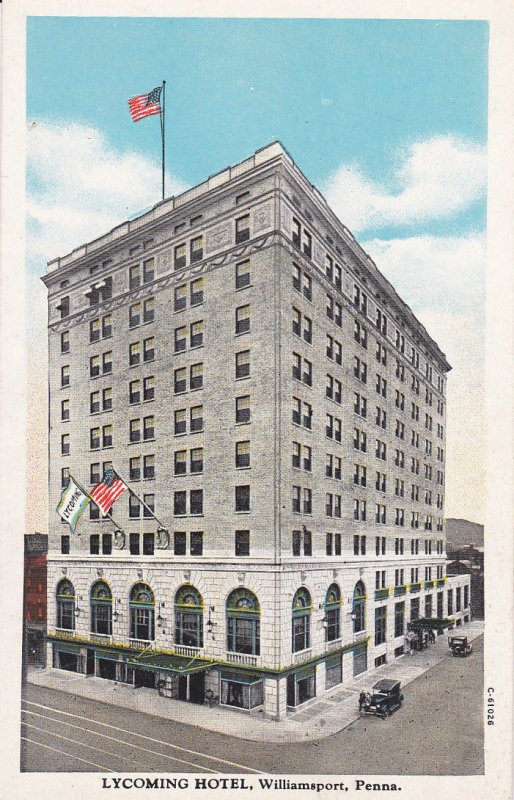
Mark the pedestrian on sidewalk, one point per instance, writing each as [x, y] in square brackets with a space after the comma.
[362, 701]
[432, 637]
[409, 639]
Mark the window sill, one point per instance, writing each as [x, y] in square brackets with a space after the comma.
[141, 441]
[237, 424]
[243, 468]
[242, 377]
[242, 288]
[242, 333]
[242, 512]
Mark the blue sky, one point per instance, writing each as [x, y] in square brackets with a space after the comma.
[387, 117]
[331, 91]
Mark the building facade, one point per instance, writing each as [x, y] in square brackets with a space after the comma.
[34, 599]
[254, 379]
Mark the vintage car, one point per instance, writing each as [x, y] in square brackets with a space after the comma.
[385, 698]
[459, 645]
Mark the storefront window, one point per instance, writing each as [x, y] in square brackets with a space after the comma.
[240, 691]
[189, 617]
[301, 686]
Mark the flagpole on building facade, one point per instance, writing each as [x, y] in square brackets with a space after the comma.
[163, 119]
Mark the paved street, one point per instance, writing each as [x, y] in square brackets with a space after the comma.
[439, 731]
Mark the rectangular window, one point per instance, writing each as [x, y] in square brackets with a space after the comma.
[196, 376]
[179, 539]
[242, 498]
[65, 544]
[180, 256]
[134, 507]
[180, 462]
[65, 342]
[196, 249]
[149, 349]
[196, 543]
[94, 544]
[243, 364]
[242, 543]
[134, 544]
[149, 467]
[196, 460]
[180, 335]
[94, 366]
[65, 476]
[242, 229]
[196, 501]
[180, 380]
[180, 421]
[134, 353]
[149, 310]
[149, 388]
[242, 274]
[134, 315]
[243, 412]
[196, 419]
[107, 436]
[196, 334]
[242, 319]
[134, 276]
[135, 468]
[148, 544]
[242, 454]
[180, 301]
[380, 625]
[107, 363]
[297, 543]
[179, 504]
[196, 292]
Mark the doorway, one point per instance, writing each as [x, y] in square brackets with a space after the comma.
[192, 688]
[144, 677]
[90, 661]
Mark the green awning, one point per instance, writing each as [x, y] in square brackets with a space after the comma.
[179, 665]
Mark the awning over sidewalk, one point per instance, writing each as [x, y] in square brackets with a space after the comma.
[179, 665]
[429, 624]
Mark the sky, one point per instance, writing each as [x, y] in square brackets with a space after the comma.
[388, 118]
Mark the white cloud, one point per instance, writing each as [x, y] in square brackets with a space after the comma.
[431, 180]
[80, 186]
[433, 271]
[442, 279]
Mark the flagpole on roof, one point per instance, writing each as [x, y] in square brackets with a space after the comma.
[163, 112]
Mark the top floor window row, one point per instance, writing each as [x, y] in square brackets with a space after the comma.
[302, 238]
[141, 273]
[64, 306]
[302, 282]
[100, 291]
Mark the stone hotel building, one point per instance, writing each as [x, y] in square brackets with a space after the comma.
[256, 381]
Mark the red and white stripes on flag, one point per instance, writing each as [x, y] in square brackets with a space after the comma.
[144, 105]
[108, 491]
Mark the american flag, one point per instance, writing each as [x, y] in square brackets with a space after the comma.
[144, 105]
[108, 491]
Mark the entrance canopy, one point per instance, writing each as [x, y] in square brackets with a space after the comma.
[179, 665]
[429, 623]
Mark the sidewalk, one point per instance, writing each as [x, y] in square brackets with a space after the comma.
[324, 716]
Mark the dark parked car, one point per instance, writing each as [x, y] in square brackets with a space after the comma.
[386, 697]
[459, 645]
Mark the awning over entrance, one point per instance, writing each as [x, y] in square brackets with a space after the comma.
[179, 665]
[429, 623]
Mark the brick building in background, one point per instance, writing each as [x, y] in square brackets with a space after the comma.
[258, 383]
[34, 617]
